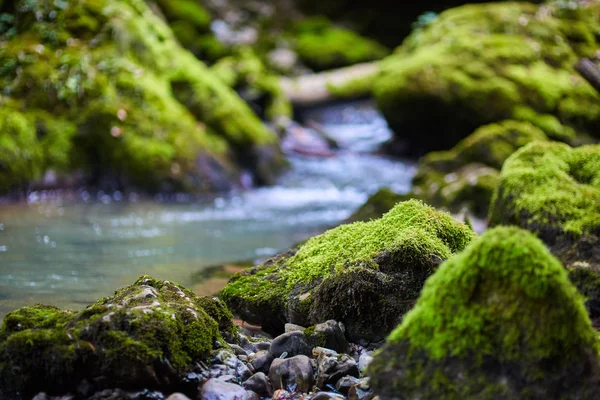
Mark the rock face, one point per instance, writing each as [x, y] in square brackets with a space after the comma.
[554, 190]
[145, 336]
[365, 275]
[499, 320]
[479, 64]
[467, 175]
[104, 87]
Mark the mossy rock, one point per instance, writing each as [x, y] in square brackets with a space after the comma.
[144, 336]
[553, 190]
[479, 64]
[366, 274]
[498, 321]
[109, 73]
[321, 45]
[467, 175]
[587, 280]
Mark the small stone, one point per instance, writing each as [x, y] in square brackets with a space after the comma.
[344, 384]
[178, 396]
[215, 389]
[262, 346]
[41, 396]
[293, 343]
[228, 378]
[293, 328]
[232, 366]
[259, 383]
[330, 369]
[261, 361]
[364, 361]
[294, 374]
[327, 396]
[331, 334]
[282, 395]
[361, 391]
[237, 350]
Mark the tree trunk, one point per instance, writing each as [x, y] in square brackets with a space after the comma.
[590, 71]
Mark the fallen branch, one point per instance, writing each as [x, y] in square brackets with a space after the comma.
[590, 71]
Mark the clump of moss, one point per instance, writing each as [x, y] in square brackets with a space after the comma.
[144, 336]
[479, 64]
[322, 46]
[366, 275]
[467, 175]
[553, 190]
[109, 72]
[499, 320]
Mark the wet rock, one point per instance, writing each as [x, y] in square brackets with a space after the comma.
[178, 396]
[327, 396]
[333, 367]
[364, 361]
[259, 383]
[225, 363]
[292, 344]
[330, 334]
[237, 350]
[215, 389]
[293, 328]
[361, 391]
[344, 384]
[282, 395]
[261, 361]
[294, 374]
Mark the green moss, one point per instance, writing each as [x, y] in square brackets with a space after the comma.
[321, 46]
[467, 175]
[504, 304]
[355, 88]
[114, 93]
[364, 260]
[554, 191]
[145, 335]
[479, 64]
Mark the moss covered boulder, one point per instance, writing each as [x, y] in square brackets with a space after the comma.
[467, 175]
[553, 190]
[498, 321]
[479, 64]
[145, 336]
[108, 90]
[366, 275]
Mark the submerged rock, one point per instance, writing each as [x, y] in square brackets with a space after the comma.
[499, 320]
[479, 64]
[553, 190]
[144, 336]
[365, 275]
[104, 86]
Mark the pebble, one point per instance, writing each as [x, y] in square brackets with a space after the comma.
[259, 383]
[294, 374]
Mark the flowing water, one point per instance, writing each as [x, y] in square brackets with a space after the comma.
[70, 251]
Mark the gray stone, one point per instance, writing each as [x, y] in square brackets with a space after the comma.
[228, 364]
[215, 389]
[343, 385]
[361, 391]
[261, 361]
[178, 396]
[292, 343]
[331, 334]
[293, 374]
[293, 328]
[327, 396]
[364, 361]
[331, 369]
[259, 383]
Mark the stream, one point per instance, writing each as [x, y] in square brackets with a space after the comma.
[71, 250]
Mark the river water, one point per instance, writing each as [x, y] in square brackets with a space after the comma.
[71, 250]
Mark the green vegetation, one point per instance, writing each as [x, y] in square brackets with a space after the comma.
[377, 205]
[321, 46]
[361, 266]
[499, 320]
[110, 75]
[467, 175]
[479, 64]
[144, 336]
[553, 190]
